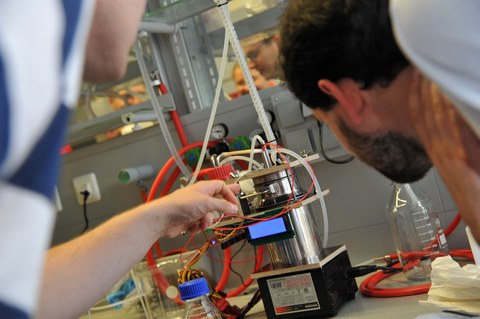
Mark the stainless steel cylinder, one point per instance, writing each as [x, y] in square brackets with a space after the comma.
[305, 248]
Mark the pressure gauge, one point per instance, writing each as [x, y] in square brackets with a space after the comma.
[219, 131]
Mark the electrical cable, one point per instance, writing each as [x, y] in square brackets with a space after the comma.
[257, 296]
[85, 195]
[318, 190]
[227, 257]
[363, 270]
[287, 206]
[324, 154]
[249, 280]
[233, 257]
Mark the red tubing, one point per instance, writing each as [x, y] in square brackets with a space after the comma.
[162, 88]
[160, 280]
[179, 127]
[249, 280]
[368, 286]
[453, 224]
[170, 181]
[175, 118]
[159, 179]
[243, 165]
[163, 172]
[158, 250]
[227, 258]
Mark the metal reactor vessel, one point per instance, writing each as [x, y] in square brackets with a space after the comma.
[303, 279]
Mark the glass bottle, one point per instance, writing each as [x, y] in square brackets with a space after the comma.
[417, 232]
[198, 305]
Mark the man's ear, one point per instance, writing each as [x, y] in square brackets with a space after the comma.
[349, 97]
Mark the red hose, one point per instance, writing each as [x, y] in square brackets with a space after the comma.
[158, 249]
[453, 224]
[368, 286]
[369, 289]
[227, 258]
[163, 172]
[160, 280]
[249, 280]
[170, 181]
[179, 127]
[175, 118]
[243, 165]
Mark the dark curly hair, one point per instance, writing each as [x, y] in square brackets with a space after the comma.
[335, 39]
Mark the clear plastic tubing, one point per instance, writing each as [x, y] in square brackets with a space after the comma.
[216, 101]
[252, 148]
[317, 189]
[242, 62]
[241, 158]
[158, 111]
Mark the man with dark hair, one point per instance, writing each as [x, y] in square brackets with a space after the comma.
[342, 60]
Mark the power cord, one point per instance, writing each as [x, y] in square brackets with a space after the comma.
[324, 154]
[366, 269]
[85, 194]
[255, 299]
[234, 255]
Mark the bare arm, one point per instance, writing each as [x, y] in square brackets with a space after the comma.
[113, 30]
[451, 144]
[80, 272]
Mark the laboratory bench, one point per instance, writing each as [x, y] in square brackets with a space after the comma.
[364, 307]
[360, 307]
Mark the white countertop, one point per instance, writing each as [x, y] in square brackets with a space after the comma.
[366, 307]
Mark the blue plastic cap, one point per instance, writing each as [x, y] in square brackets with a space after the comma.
[193, 288]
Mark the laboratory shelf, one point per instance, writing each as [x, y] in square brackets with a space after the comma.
[178, 11]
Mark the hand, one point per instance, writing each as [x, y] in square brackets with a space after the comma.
[451, 144]
[190, 208]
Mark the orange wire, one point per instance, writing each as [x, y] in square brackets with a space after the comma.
[284, 211]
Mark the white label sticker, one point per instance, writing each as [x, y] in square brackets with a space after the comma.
[293, 294]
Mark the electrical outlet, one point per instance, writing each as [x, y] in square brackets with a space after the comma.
[87, 182]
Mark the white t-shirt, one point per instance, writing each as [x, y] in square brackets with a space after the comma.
[442, 39]
[41, 63]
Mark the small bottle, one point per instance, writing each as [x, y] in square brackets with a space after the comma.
[417, 232]
[198, 305]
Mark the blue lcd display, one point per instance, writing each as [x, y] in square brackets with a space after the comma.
[268, 228]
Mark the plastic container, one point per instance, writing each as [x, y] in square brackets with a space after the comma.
[417, 232]
[198, 305]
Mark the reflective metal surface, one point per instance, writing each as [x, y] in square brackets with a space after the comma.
[305, 248]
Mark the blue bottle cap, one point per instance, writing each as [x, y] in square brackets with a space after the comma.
[193, 288]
